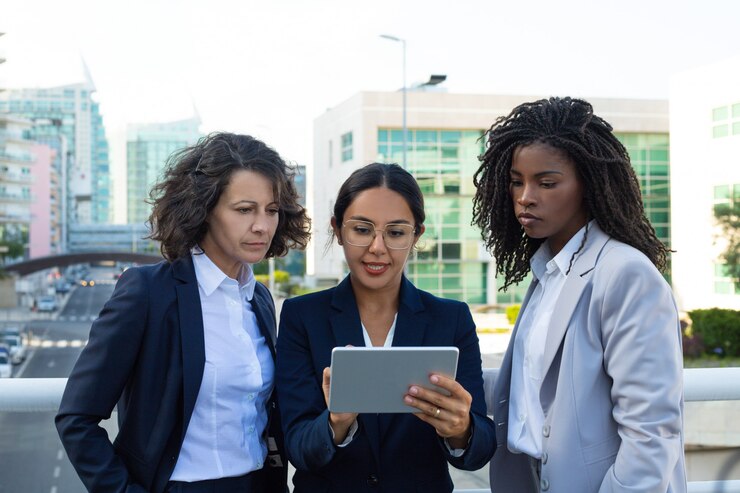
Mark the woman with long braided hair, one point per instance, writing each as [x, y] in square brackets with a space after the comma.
[589, 397]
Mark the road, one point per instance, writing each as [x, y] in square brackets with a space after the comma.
[31, 456]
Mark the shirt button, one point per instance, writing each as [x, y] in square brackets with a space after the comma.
[250, 397]
[250, 430]
[546, 431]
[544, 484]
[372, 480]
[544, 457]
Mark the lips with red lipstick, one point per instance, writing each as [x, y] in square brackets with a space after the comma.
[375, 268]
[527, 219]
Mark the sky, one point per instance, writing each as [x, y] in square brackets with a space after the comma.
[269, 68]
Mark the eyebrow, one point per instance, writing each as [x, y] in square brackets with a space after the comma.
[537, 175]
[395, 221]
[250, 202]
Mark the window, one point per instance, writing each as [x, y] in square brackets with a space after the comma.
[346, 146]
[726, 121]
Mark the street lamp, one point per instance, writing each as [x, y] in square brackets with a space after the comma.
[403, 89]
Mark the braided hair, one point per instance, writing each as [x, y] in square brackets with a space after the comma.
[611, 189]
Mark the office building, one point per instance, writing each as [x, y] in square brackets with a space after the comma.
[68, 116]
[705, 173]
[147, 148]
[444, 141]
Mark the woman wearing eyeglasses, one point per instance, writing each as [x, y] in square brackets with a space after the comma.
[378, 218]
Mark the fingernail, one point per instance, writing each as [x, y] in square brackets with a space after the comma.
[413, 391]
[434, 379]
[408, 400]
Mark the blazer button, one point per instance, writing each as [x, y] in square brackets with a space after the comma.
[372, 480]
[546, 431]
[544, 457]
[544, 484]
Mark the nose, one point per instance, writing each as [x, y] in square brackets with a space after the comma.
[260, 223]
[527, 196]
[377, 246]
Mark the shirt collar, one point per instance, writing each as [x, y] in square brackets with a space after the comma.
[543, 262]
[210, 277]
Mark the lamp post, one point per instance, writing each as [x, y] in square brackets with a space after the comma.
[403, 89]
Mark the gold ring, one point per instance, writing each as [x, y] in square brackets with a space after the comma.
[436, 413]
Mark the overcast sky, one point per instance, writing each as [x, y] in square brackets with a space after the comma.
[270, 67]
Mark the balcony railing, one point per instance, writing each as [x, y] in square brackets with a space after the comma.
[700, 384]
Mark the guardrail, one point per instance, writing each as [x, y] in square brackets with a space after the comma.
[700, 384]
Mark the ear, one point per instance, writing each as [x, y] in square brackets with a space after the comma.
[422, 228]
[337, 230]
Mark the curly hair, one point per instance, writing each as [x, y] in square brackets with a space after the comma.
[611, 189]
[196, 176]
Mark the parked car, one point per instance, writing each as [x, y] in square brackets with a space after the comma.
[46, 304]
[17, 348]
[5, 367]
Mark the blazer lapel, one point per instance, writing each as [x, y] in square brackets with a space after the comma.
[191, 334]
[265, 317]
[573, 288]
[347, 329]
[345, 317]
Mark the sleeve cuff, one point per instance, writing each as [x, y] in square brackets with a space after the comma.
[350, 435]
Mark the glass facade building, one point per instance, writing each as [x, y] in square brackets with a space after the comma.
[69, 113]
[148, 146]
[449, 261]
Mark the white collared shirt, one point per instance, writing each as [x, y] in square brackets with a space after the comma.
[526, 417]
[225, 434]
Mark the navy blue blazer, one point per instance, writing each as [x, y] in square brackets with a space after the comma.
[389, 452]
[146, 352]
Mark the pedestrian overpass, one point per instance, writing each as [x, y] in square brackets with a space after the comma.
[42, 263]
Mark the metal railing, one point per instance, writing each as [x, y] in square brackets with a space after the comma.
[700, 384]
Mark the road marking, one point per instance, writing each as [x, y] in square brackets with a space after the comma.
[57, 470]
[23, 366]
[62, 343]
[47, 343]
[51, 364]
[60, 454]
[77, 343]
[53, 489]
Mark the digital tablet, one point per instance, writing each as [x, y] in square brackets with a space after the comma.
[374, 380]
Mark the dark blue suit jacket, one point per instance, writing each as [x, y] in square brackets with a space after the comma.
[146, 353]
[389, 452]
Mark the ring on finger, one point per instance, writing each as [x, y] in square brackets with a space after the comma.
[437, 413]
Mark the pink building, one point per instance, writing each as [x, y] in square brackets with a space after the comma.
[44, 204]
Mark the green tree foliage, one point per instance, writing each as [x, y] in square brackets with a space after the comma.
[728, 217]
[718, 329]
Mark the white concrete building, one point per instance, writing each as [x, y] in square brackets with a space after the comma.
[705, 171]
[443, 144]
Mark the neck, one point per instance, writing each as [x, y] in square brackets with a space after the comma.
[377, 300]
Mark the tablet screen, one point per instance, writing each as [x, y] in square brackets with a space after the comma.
[374, 380]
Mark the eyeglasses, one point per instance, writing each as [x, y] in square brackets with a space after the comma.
[362, 234]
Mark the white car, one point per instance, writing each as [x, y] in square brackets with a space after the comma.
[5, 366]
[46, 304]
[17, 348]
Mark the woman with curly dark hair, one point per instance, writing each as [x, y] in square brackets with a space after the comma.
[186, 347]
[589, 396]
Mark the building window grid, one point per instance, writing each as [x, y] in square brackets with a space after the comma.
[441, 161]
[725, 195]
[347, 152]
[726, 120]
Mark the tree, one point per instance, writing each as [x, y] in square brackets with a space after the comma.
[728, 217]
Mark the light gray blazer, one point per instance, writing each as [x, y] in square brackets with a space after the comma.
[613, 388]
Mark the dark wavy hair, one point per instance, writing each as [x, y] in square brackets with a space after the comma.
[374, 175]
[611, 189]
[196, 176]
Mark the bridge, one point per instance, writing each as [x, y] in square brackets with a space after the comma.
[42, 263]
